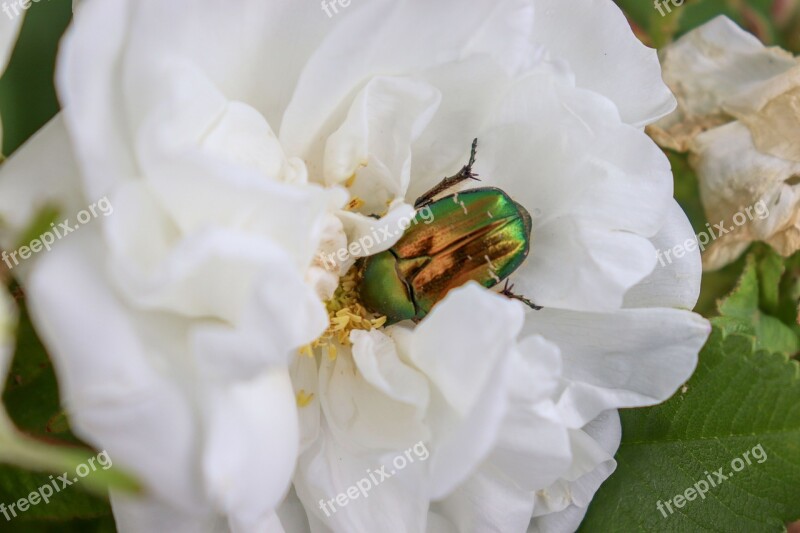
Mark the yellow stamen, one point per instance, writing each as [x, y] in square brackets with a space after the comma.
[345, 314]
[304, 398]
[306, 350]
[354, 204]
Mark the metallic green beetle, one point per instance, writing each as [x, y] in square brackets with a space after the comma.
[477, 235]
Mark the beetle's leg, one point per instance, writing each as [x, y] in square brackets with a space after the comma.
[507, 292]
[464, 174]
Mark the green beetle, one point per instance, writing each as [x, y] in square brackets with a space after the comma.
[477, 235]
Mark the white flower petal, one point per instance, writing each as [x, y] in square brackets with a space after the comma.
[377, 157]
[9, 29]
[488, 502]
[283, 314]
[293, 515]
[30, 181]
[437, 523]
[356, 406]
[675, 282]
[243, 135]
[464, 346]
[254, 32]
[305, 380]
[466, 322]
[467, 100]
[107, 374]
[630, 358]
[376, 358]
[374, 236]
[532, 450]
[92, 112]
[597, 189]
[251, 446]
[135, 515]
[387, 46]
[563, 506]
[396, 504]
[607, 59]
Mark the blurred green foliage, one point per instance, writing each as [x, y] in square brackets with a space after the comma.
[27, 91]
[774, 22]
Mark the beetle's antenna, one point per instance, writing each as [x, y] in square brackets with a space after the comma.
[464, 174]
[507, 293]
[472, 155]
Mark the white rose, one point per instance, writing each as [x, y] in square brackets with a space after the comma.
[228, 141]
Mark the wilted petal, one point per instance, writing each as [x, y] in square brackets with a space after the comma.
[771, 111]
[754, 195]
[706, 69]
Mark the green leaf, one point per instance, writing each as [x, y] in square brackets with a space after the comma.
[69, 503]
[79, 464]
[41, 222]
[755, 16]
[31, 392]
[770, 272]
[104, 524]
[27, 89]
[739, 401]
[789, 292]
[745, 303]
